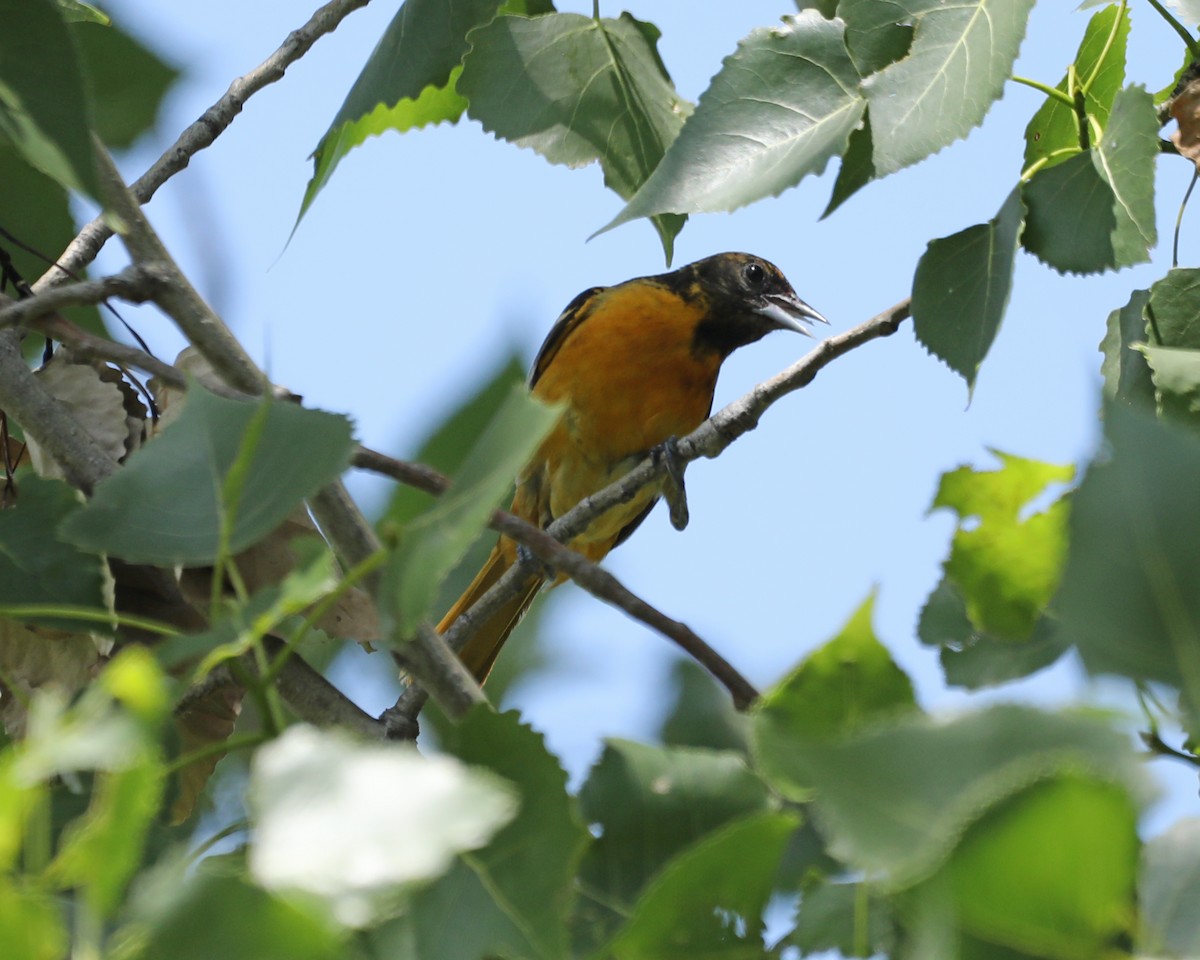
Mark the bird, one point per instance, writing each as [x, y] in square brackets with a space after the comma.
[633, 367]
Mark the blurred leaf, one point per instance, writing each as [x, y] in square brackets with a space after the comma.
[894, 801]
[1176, 376]
[31, 923]
[1005, 563]
[454, 918]
[75, 11]
[36, 567]
[166, 505]
[849, 683]
[35, 210]
[434, 543]
[651, 803]
[1049, 870]
[973, 658]
[101, 852]
[1126, 375]
[407, 82]
[127, 82]
[781, 107]
[1095, 211]
[828, 919]
[1168, 891]
[449, 444]
[1053, 133]
[1130, 597]
[44, 110]
[578, 89]
[224, 916]
[857, 169]
[827, 8]
[355, 823]
[709, 901]
[1173, 308]
[960, 58]
[961, 289]
[702, 713]
[529, 866]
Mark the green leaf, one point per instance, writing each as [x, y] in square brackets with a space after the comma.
[1130, 597]
[225, 916]
[101, 851]
[710, 900]
[1168, 891]
[973, 658]
[895, 800]
[36, 567]
[961, 289]
[454, 918]
[961, 55]
[781, 106]
[1174, 310]
[578, 89]
[31, 923]
[355, 824]
[1095, 211]
[858, 166]
[877, 34]
[44, 110]
[701, 713]
[529, 866]
[848, 684]
[126, 80]
[831, 917]
[75, 11]
[1007, 565]
[1053, 133]
[407, 82]
[651, 803]
[1176, 376]
[1049, 870]
[435, 542]
[1126, 375]
[167, 504]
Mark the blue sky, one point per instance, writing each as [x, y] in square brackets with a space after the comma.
[428, 254]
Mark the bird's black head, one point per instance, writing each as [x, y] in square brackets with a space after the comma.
[745, 298]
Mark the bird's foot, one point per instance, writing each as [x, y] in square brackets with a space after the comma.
[674, 490]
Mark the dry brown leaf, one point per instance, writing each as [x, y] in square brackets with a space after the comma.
[207, 720]
[1185, 108]
[33, 658]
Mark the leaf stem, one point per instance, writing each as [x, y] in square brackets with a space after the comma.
[1179, 28]
[1179, 219]
[28, 611]
[1053, 92]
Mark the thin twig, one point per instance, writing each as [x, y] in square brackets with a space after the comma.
[590, 576]
[211, 124]
[136, 284]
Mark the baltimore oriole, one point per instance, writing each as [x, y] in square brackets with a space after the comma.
[633, 365]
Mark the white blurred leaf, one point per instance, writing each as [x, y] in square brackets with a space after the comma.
[356, 823]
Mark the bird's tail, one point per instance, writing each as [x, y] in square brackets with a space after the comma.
[484, 645]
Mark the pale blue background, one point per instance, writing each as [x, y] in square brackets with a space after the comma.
[430, 253]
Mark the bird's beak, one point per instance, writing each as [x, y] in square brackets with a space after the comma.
[788, 312]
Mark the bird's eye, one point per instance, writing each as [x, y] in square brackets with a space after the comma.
[754, 274]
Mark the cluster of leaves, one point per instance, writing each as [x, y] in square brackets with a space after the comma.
[837, 815]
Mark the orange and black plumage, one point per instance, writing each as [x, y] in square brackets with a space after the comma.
[632, 365]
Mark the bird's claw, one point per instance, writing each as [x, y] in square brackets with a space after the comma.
[673, 487]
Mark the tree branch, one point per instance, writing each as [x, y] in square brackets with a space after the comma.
[707, 440]
[203, 132]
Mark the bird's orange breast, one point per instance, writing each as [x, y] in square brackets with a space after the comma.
[628, 377]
